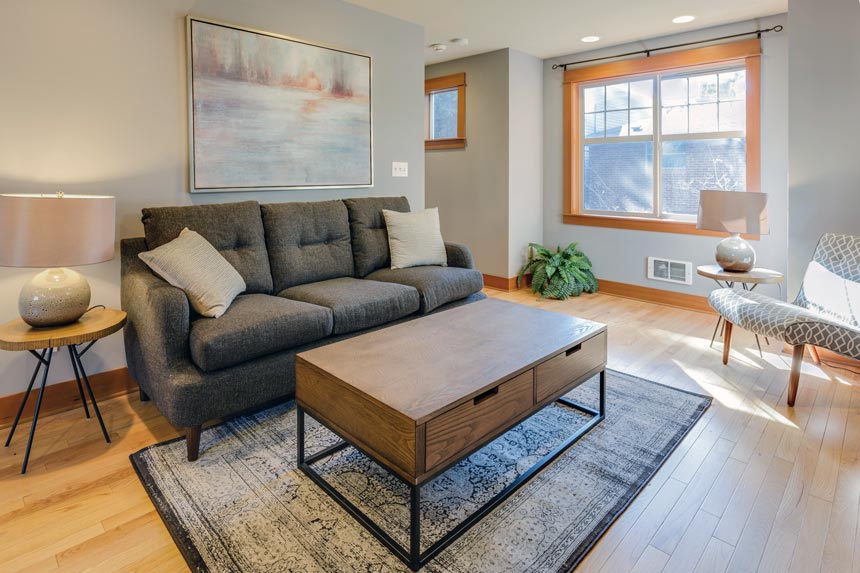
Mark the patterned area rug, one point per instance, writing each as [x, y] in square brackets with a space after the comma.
[243, 506]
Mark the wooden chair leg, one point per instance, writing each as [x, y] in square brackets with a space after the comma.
[794, 377]
[192, 442]
[814, 352]
[727, 342]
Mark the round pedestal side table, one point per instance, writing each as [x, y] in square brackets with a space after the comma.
[748, 281]
[17, 335]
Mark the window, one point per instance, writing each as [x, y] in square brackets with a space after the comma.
[445, 100]
[643, 137]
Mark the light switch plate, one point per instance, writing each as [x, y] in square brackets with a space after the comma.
[399, 169]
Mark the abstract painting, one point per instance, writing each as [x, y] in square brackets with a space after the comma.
[270, 112]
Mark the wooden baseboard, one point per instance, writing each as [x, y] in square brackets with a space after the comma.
[500, 283]
[655, 295]
[64, 395]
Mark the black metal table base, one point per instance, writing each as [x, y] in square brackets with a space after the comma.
[413, 556]
[44, 359]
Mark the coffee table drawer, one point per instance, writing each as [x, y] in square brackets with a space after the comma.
[451, 434]
[559, 371]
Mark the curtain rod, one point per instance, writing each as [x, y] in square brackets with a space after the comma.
[647, 52]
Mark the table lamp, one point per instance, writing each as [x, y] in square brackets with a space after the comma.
[733, 212]
[55, 231]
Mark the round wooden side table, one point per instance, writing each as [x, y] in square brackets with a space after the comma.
[17, 335]
[748, 281]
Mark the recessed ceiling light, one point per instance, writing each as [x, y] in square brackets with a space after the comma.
[459, 41]
[438, 47]
[589, 39]
[683, 19]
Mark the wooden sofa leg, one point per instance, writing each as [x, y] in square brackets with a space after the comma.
[727, 342]
[144, 397]
[794, 377]
[814, 352]
[192, 442]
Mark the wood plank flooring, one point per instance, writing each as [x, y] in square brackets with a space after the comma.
[756, 486]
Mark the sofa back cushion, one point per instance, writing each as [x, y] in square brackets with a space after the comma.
[369, 237]
[234, 229]
[307, 242]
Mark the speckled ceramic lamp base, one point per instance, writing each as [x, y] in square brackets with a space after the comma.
[54, 297]
[735, 254]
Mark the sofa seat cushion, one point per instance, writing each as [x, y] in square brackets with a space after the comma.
[436, 285]
[357, 304]
[253, 326]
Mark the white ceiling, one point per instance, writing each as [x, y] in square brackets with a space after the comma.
[549, 28]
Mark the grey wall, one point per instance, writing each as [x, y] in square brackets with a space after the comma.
[525, 157]
[620, 255]
[470, 185]
[94, 101]
[824, 91]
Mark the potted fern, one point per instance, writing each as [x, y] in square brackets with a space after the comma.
[558, 274]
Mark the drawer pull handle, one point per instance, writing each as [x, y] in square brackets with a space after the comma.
[576, 348]
[488, 394]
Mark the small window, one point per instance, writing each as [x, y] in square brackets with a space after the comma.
[445, 100]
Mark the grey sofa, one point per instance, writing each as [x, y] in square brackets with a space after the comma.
[315, 273]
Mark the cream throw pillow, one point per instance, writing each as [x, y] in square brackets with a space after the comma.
[191, 263]
[414, 239]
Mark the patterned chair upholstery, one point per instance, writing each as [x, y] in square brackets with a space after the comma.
[825, 313]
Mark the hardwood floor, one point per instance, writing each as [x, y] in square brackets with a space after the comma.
[755, 486]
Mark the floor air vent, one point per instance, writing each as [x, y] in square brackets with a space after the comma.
[680, 272]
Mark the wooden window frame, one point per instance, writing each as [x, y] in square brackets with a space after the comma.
[746, 53]
[443, 84]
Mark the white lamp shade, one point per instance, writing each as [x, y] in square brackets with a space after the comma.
[56, 231]
[733, 212]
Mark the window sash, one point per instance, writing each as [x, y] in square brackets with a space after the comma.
[656, 138]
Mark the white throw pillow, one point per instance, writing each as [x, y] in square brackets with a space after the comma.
[191, 263]
[415, 239]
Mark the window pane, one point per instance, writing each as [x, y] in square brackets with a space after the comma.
[690, 166]
[444, 114]
[616, 123]
[673, 92]
[703, 89]
[733, 116]
[594, 124]
[619, 177]
[675, 120]
[703, 118]
[594, 99]
[616, 97]
[733, 85]
[642, 93]
[641, 122]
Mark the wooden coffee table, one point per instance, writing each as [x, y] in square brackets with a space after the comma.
[419, 397]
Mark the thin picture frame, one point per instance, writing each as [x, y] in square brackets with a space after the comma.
[196, 183]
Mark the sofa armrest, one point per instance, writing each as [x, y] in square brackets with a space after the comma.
[159, 317]
[459, 256]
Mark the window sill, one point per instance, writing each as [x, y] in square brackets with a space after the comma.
[642, 224]
[453, 143]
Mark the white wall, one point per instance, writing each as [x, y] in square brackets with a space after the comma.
[824, 123]
[525, 157]
[470, 185]
[94, 101]
[490, 194]
[619, 254]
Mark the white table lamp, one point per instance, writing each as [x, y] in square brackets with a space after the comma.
[55, 231]
[733, 212]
